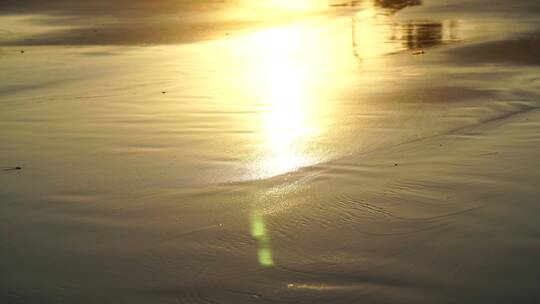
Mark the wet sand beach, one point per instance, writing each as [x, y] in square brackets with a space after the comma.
[379, 151]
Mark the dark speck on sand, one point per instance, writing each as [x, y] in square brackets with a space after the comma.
[12, 168]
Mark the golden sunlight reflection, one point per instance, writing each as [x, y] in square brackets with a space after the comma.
[290, 72]
[284, 6]
[294, 74]
[291, 5]
[288, 117]
[369, 34]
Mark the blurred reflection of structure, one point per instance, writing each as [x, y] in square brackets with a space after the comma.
[427, 34]
[410, 36]
[393, 6]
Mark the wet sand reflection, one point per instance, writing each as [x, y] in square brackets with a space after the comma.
[293, 119]
[373, 22]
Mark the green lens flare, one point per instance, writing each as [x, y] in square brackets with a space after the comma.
[258, 232]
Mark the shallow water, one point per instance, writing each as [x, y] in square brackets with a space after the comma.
[237, 152]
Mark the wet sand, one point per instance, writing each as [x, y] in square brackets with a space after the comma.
[313, 155]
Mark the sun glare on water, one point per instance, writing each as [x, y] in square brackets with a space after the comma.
[296, 77]
[287, 5]
[289, 69]
[284, 79]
